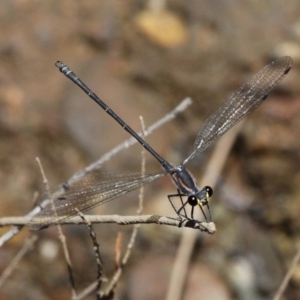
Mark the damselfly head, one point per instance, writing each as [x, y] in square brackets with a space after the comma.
[203, 195]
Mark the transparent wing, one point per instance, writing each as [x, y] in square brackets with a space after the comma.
[92, 190]
[239, 104]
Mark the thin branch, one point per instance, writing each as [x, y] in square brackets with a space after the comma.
[118, 247]
[288, 275]
[45, 180]
[96, 247]
[121, 220]
[88, 291]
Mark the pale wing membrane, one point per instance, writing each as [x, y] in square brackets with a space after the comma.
[92, 190]
[239, 104]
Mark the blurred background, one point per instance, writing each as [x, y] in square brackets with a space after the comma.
[143, 58]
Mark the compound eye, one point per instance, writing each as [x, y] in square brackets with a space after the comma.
[192, 200]
[209, 191]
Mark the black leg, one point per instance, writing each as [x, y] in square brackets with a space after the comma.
[183, 204]
[192, 212]
[208, 212]
[182, 208]
[204, 212]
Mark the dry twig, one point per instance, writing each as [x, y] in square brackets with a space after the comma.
[122, 220]
[288, 275]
